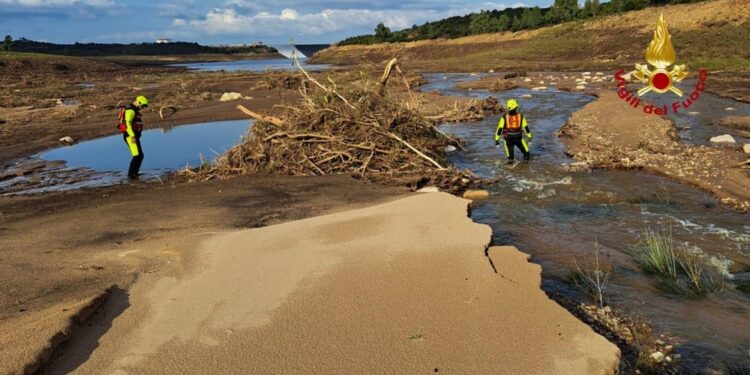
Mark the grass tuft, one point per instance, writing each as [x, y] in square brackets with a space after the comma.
[657, 254]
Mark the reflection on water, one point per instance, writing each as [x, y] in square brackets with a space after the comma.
[556, 216]
[251, 65]
[104, 161]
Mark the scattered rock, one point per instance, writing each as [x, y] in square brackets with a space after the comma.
[229, 96]
[525, 96]
[491, 71]
[547, 194]
[67, 140]
[658, 357]
[723, 139]
[527, 80]
[206, 95]
[746, 148]
[580, 87]
[694, 113]
[599, 74]
[450, 148]
[586, 73]
[476, 194]
[541, 82]
[579, 166]
[429, 189]
[730, 109]
[539, 88]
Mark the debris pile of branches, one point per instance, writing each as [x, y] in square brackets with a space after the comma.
[475, 110]
[273, 81]
[357, 131]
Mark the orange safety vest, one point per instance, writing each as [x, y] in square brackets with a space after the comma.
[513, 123]
[122, 124]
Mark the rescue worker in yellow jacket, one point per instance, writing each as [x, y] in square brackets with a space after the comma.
[131, 127]
[512, 128]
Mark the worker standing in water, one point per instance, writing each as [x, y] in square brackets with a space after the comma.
[131, 127]
[513, 127]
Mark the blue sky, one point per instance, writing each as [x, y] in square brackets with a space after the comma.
[222, 21]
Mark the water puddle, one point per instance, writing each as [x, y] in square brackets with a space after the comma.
[104, 161]
[558, 216]
[251, 65]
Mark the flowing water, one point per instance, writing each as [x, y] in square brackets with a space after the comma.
[104, 161]
[260, 65]
[559, 217]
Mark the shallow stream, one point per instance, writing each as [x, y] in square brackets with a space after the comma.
[560, 218]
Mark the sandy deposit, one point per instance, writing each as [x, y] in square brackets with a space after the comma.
[608, 133]
[402, 287]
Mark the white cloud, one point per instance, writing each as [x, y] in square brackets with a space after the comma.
[231, 20]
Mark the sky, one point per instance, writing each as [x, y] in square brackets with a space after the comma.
[222, 21]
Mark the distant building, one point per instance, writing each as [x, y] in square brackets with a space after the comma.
[163, 41]
[257, 44]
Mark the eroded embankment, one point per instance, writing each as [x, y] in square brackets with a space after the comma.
[609, 133]
[403, 286]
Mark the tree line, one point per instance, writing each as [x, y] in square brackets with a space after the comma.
[144, 49]
[511, 19]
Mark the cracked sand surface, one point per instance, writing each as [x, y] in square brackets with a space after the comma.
[401, 287]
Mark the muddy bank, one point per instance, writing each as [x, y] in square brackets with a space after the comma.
[62, 251]
[731, 84]
[608, 133]
[399, 287]
[39, 106]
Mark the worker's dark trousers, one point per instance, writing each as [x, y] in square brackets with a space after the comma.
[135, 163]
[516, 140]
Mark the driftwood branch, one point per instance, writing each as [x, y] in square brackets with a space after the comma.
[161, 111]
[311, 79]
[431, 160]
[269, 119]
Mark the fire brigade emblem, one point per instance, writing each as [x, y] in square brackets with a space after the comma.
[660, 55]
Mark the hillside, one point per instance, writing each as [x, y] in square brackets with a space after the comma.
[508, 19]
[710, 34]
